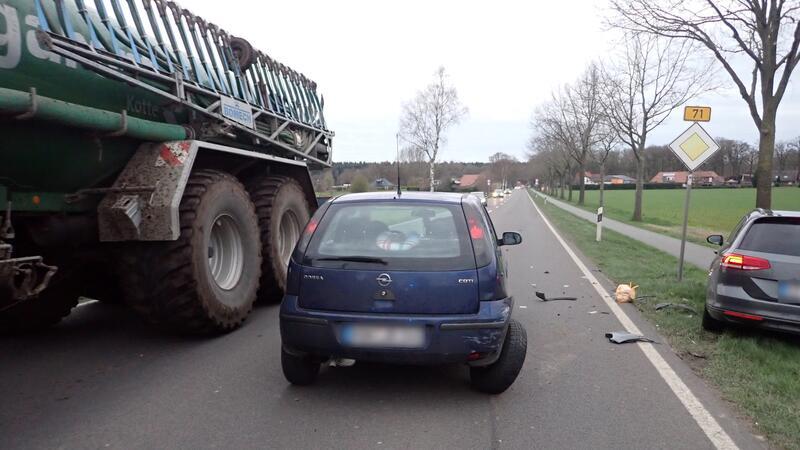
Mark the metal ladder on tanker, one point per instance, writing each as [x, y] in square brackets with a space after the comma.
[198, 65]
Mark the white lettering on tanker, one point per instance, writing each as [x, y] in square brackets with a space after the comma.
[237, 111]
[9, 41]
[33, 44]
[36, 49]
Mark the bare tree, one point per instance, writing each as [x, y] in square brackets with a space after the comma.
[607, 142]
[584, 113]
[765, 32]
[547, 151]
[652, 78]
[501, 164]
[572, 118]
[795, 145]
[783, 154]
[427, 118]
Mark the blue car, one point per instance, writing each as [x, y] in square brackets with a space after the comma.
[416, 278]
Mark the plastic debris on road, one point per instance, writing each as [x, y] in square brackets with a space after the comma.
[544, 297]
[622, 337]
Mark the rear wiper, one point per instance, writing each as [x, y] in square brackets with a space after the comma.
[364, 259]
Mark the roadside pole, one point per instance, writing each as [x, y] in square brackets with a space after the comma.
[685, 223]
[693, 147]
[599, 234]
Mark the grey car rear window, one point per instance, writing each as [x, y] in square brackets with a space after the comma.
[406, 236]
[780, 235]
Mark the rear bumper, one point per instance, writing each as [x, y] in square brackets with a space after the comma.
[732, 304]
[448, 338]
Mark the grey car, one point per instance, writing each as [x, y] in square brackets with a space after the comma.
[755, 279]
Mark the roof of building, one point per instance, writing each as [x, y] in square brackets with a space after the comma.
[621, 177]
[468, 179]
[682, 175]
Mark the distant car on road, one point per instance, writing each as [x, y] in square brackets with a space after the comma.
[498, 193]
[411, 279]
[507, 192]
[481, 196]
[755, 280]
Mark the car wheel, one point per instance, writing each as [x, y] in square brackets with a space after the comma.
[497, 377]
[299, 370]
[711, 324]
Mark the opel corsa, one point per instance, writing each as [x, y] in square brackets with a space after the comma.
[416, 278]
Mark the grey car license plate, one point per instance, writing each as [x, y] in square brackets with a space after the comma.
[382, 336]
[789, 291]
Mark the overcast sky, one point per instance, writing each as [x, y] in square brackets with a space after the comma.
[504, 57]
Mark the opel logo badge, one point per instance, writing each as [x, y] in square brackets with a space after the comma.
[384, 279]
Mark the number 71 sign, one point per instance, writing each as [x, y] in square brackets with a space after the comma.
[697, 113]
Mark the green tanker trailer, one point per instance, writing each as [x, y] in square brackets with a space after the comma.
[149, 155]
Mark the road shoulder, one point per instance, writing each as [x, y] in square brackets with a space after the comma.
[724, 427]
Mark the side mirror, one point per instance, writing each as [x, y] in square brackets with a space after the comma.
[510, 238]
[715, 239]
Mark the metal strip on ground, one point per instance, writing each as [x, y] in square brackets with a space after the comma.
[699, 413]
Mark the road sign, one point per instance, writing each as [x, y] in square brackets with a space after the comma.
[694, 146]
[697, 113]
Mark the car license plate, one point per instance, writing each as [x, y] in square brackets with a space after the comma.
[383, 336]
[789, 291]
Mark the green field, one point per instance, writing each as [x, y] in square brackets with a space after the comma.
[759, 372]
[711, 210]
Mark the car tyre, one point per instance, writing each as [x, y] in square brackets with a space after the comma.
[499, 376]
[300, 370]
[711, 324]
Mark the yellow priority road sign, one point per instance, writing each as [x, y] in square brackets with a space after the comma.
[697, 113]
[694, 146]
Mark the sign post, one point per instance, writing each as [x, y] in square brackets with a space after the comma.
[693, 147]
[685, 223]
[599, 234]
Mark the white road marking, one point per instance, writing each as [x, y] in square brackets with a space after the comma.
[704, 419]
[87, 302]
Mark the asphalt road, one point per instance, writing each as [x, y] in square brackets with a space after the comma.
[101, 379]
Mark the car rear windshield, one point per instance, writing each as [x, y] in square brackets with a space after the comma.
[779, 235]
[392, 235]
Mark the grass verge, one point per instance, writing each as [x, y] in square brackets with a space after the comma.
[759, 372]
[711, 211]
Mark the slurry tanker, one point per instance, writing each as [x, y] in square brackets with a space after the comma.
[150, 156]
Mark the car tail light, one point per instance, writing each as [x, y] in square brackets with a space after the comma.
[739, 315]
[311, 227]
[743, 262]
[474, 356]
[308, 232]
[475, 230]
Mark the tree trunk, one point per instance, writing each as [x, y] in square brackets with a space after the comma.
[432, 173]
[766, 148]
[637, 203]
[561, 188]
[581, 182]
[602, 181]
[569, 197]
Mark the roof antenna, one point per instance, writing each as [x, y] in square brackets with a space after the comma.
[397, 162]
